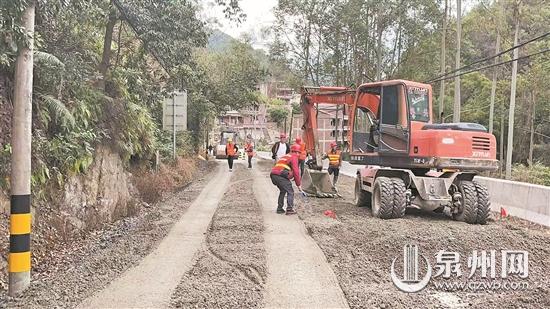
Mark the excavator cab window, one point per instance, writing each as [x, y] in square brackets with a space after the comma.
[418, 103]
[390, 105]
[364, 131]
[394, 125]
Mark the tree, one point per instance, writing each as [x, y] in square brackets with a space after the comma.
[278, 114]
[457, 102]
[345, 49]
[443, 64]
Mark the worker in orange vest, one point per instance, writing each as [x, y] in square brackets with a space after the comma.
[249, 149]
[231, 151]
[281, 175]
[303, 154]
[334, 161]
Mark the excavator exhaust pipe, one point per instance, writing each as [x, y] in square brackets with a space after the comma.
[317, 183]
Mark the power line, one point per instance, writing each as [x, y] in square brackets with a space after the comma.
[488, 66]
[438, 78]
[534, 132]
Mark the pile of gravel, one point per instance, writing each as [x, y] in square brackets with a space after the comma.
[360, 250]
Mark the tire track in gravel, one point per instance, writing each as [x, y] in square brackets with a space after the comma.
[230, 270]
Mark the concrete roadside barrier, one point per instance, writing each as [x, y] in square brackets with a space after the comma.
[523, 200]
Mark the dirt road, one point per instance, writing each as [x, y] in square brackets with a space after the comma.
[230, 270]
[152, 282]
[299, 275]
[219, 244]
[83, 266]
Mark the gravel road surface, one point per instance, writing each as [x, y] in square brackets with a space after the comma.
[360, 250]
[152, 282]
[229, 249]
[230, 271]
[299, 275]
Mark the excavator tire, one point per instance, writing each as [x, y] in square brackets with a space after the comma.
[483, 203]
[362, 197]
[475, 203]
[388, 198]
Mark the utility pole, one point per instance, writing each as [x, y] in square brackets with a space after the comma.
[19, 260]
[174, 126]
[456, 108]
[531, 138]
[510, 144]
[342, 124]
[291, 124]
[442, 85]
[494, 86]
[502, 114]
[336, 124]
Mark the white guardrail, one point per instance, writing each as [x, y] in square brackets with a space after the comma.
[523, 200]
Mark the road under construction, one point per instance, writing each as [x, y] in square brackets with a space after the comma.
[219, 243]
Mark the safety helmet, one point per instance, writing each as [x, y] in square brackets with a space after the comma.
[230, 140]
[295, 148]
[298, 139]
[333, 144]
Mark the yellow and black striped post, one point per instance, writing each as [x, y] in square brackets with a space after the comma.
[19, 260]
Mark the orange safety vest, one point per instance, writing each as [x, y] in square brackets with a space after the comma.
[249, 149]
[230, 149]
[303, 153]
[334, 158]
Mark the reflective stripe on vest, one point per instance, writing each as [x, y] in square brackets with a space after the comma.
[334, 158]
[283, 162]
[285, 166]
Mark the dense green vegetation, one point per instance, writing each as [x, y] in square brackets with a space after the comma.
[350, 42]
[102, 70]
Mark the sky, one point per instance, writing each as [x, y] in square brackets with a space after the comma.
[259, 16]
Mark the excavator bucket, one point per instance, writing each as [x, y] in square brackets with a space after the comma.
[318, 184]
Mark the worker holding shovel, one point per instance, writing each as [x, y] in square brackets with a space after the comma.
[281, 175]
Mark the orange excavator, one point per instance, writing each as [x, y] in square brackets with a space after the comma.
[409, 161]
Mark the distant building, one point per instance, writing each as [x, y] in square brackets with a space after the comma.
[329, 122]
[251, 120]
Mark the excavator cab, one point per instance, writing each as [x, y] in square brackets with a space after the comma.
[383, 114]
[393, 127]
